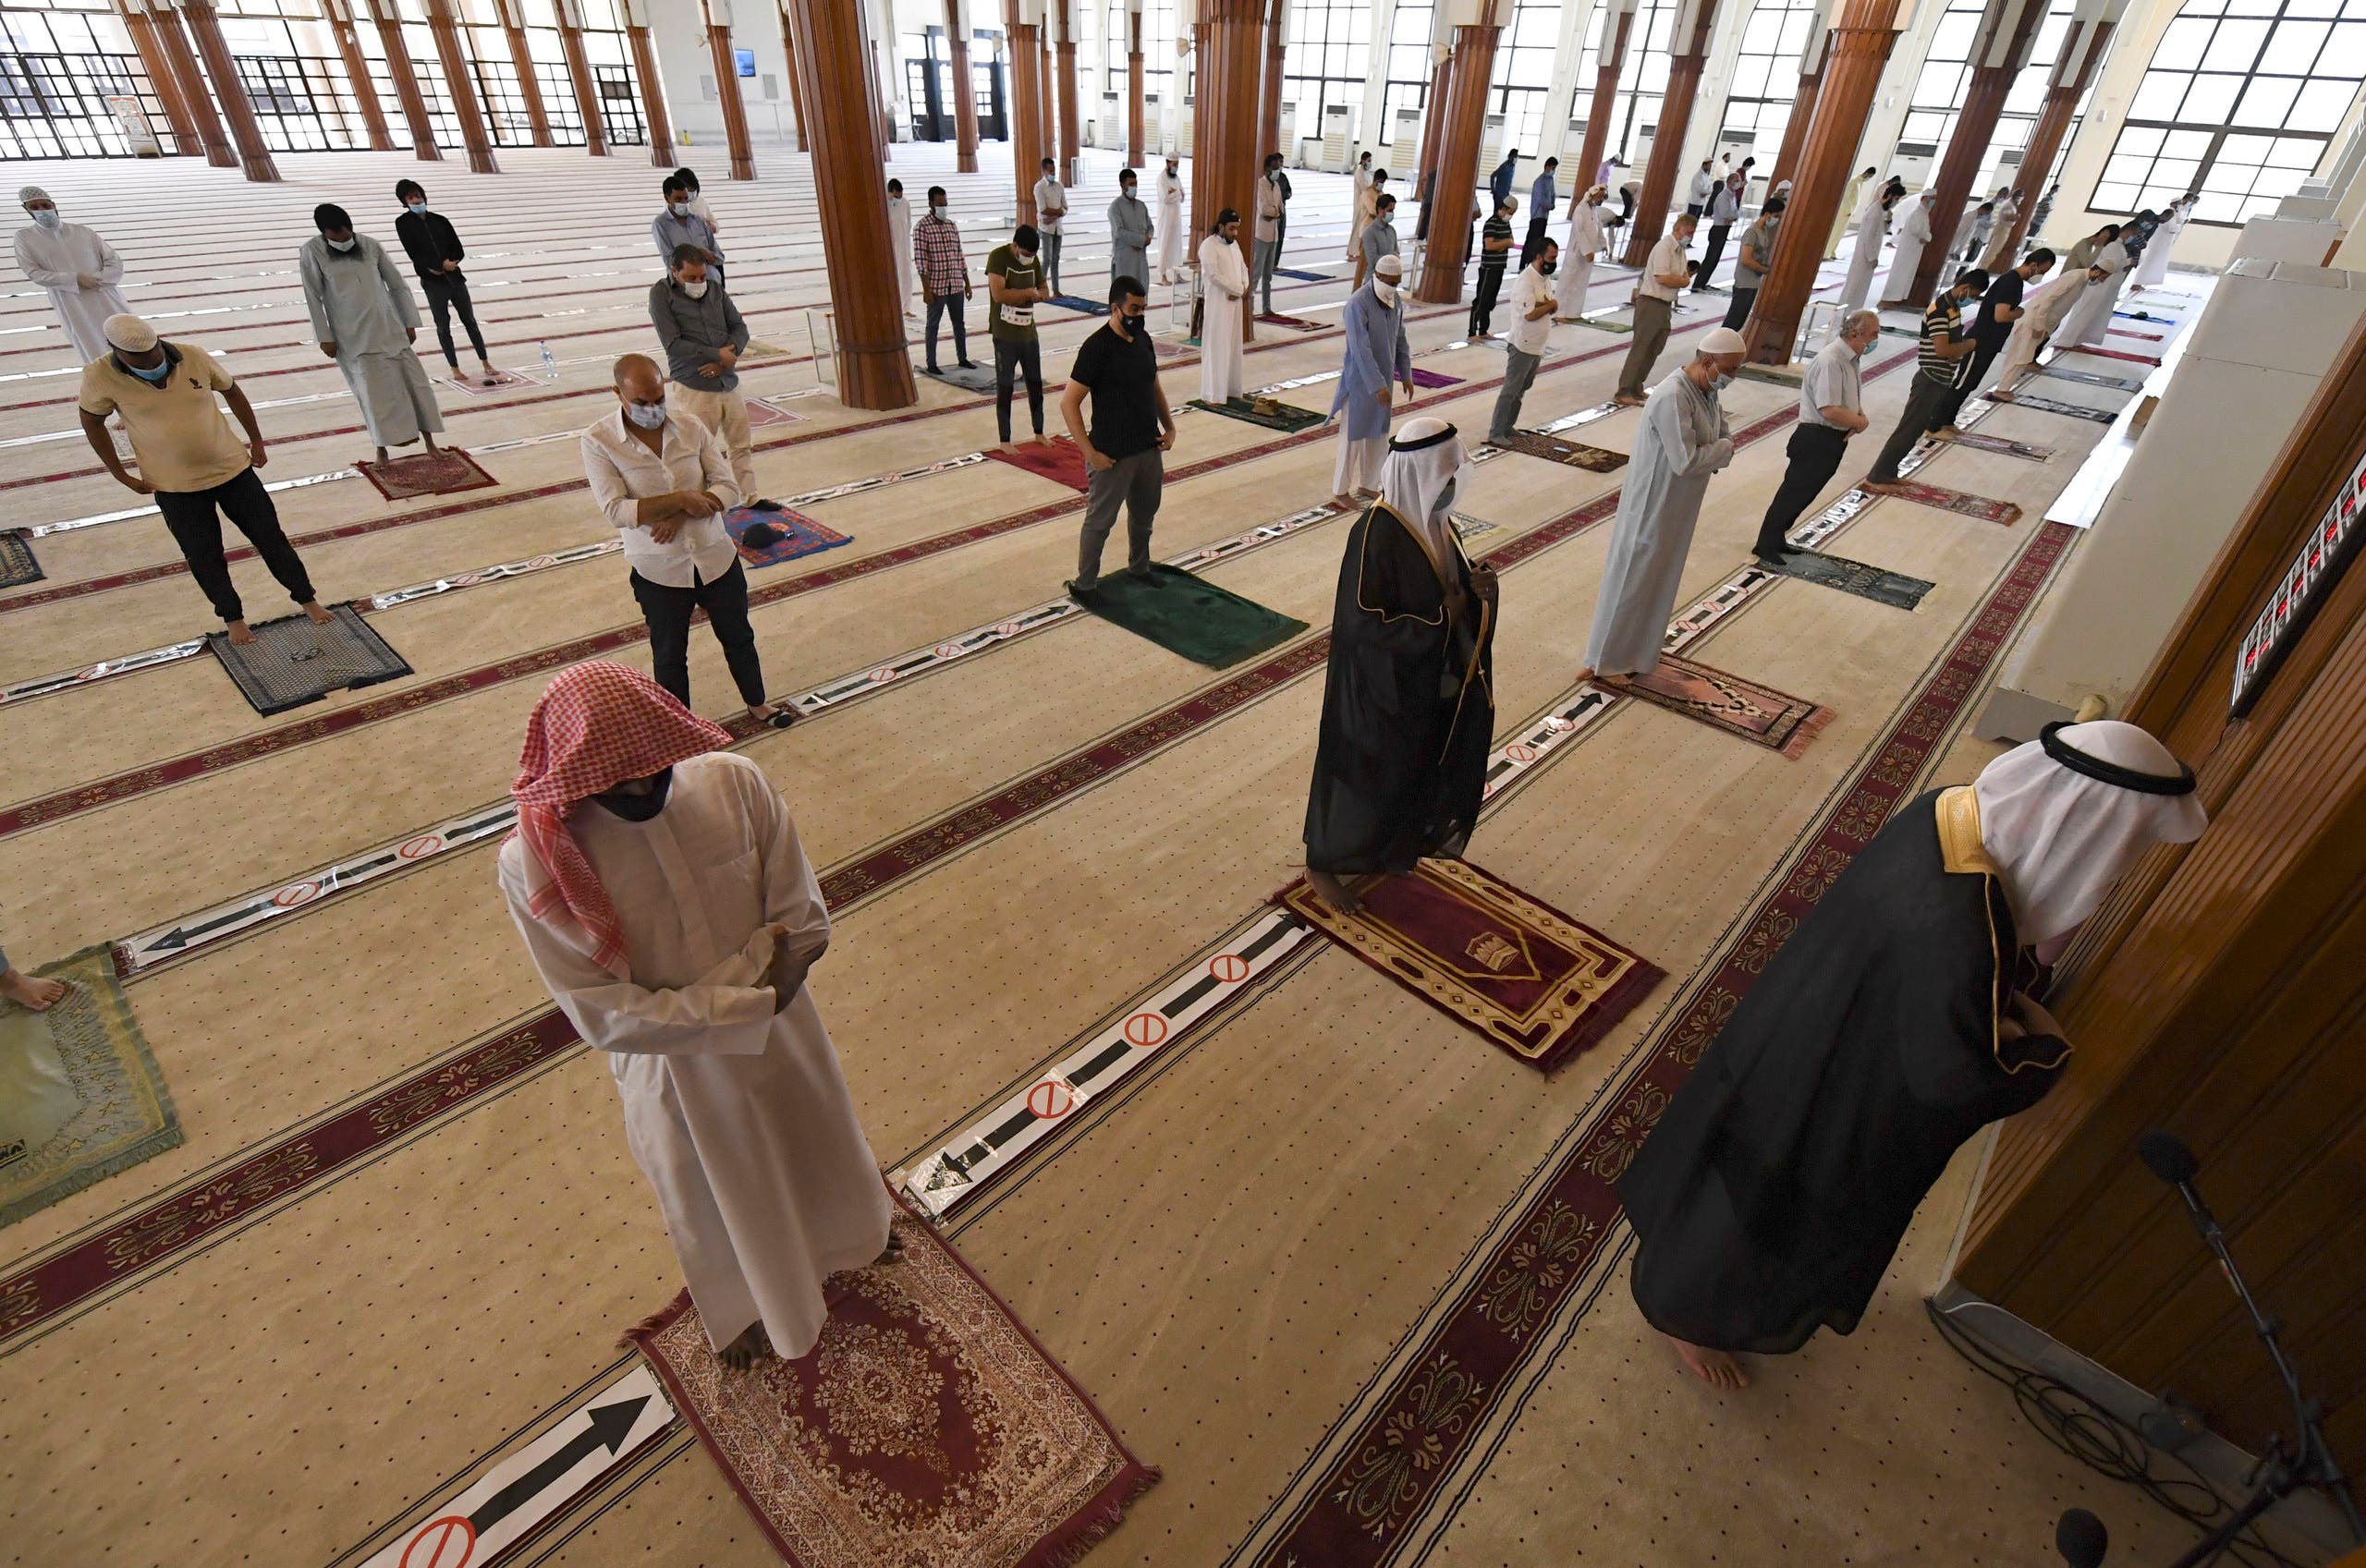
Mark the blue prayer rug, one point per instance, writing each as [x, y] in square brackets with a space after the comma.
[799, 535]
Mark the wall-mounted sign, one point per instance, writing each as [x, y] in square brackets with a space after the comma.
[2305, 584]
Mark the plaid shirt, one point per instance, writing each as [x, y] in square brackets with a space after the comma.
[936, 252]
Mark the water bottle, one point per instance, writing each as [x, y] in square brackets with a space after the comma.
[550, 365]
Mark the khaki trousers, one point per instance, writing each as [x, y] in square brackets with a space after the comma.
[725, 413]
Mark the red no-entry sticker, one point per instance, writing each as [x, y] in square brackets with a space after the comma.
[1051, 1100]
[447, 1542]
[1229, 968]
[294, 894]
[1520, 751]
[1145, 1029]
[425, 843]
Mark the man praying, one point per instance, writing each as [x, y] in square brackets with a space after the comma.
[1224, 310]
[704, 336]
[1130, 231]
[1831, 408]
[77, 270]
[1169, 226]
[1664, 271]
[1377, 353]
[1051, 206]
[1132, 430]
[1942, 356]
[363, 319]
[1901, 1017]
[671, 912]
[1532, 307]
[1409, 704]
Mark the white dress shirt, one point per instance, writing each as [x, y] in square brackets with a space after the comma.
[1530, 290]
[622, 473]
[1835, 379]
[1051, 205]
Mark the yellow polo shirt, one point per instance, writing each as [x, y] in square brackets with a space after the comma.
[180, 434]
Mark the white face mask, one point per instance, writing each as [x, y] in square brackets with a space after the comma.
[648, 416]
[45, 216]
[936, 210]
[1384, 291]
[342, 245]
[695, 290]
[679, 209]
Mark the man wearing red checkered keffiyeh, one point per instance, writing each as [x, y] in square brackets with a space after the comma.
[668, 906]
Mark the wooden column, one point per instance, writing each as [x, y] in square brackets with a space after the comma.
[174, 45]
[1226, 152]
[1863, 34]
[205, 28]
[1026, 107]
[1794, 129]
[406, 78]
[530, 87]
[578, 71]
[1618, 25]
[1063, 58]
[357, 70]
[2219, 994]
[1048, 112]
[1432, 118]
[727, 89]
[1694, 20]
[1133, 90]
[1269, 113]
[1460, 132]
[460, 88]
[875, 371]
[158, 63]
[965, 95]
[652, 91]
[2000, 49]
[2083, 48]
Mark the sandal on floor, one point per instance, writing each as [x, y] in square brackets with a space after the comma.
[782, 718]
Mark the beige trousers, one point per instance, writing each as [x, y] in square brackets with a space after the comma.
[725, 413]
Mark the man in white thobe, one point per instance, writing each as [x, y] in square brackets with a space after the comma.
[1872, 226]
[1684, 440]
[1170, 222]
[79, 270]
[363, 318]
[670, 910]
[1913, 234]
[2000, 241]
[1224, 277]
[1585, 242]
[2153, 270]
[899, 240]
[2087, 321]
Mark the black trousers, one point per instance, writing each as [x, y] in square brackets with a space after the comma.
[1482, 299]
[1744, 299]
[195, 518]
[1816, 451]
[1981, 358]
[1923, 399]
[1711, 255]
[447, 292]
[668, 611]
[1014, 357]
[1536, 238]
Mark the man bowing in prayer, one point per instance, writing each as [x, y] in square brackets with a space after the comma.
[1373, 325]
[669, 908]
[79, 270]
[1684, 440]
[363, 318]
[1409, 704]
[1896, 1023]
[1224, 272]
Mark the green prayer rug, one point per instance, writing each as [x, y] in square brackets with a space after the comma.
[1287, 418]
[1188, 614]
[81, 1097]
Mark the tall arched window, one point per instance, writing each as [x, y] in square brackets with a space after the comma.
[1767, 77]
[1408, 84]
[1323, 61]
[1642, 78]
[1947, 75]
[1158, 50]
[2239, 103]
[1524, 71]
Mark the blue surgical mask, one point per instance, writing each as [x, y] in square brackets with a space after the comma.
[648, 416]
[420, 208]
[1724, 378]
[155, 376]
[45, 216]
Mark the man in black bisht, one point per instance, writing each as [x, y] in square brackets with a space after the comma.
[1894, 1025]
[1409, 708]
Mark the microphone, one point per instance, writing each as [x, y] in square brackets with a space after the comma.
[2080, 1538]
[2166, 1155]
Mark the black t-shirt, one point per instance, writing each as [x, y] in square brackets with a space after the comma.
[2005, 290]
[1122, 377]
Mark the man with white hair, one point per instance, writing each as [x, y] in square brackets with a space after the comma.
[1685, 439]
[1408, 707]
[1900, 1018]
[1377, 353]
[1831, 408]
[78, 268]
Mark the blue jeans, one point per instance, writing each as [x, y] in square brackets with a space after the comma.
[939, 307]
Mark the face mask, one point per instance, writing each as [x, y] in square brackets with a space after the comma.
[648, 416]
[1134, 319]
[1384, 291]
[1724, 378]
[679, 209]
[420, 208]
[45, 216]
[1445, 496]
[155, 376]
[640, 807]
[1126, 190]
[342, 245]
[1024, 255]
[1546, 267]
[695, 290]
[937, 209]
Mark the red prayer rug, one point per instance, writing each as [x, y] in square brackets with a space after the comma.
[1057, 459]
[1433, 378]
[441, 472]
[761, 413]
[1999, 445]
[1167, 350]
[2120, 354]
[1553, 449]
[926, 1427]
[1956, 501]
[1275, 318]
[1760, 715]
[799, 535]
[1536, 982]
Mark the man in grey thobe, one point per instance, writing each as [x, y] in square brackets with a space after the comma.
[1130, 233]
[363, 318]
[1684, 440]
[1378, 240]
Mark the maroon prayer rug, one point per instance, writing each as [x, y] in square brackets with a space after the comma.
[1553, 449]
[2119, 354]
[926, 1427]
[1057, 459]
[476, 384]
[1956, 501]
[1760, 715]
[1534, 981]
[761, 413]
[1999, 445]
[441, 472]
[1433, 378]
[1275, 318]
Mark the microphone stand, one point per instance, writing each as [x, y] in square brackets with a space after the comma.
[2311, 1464]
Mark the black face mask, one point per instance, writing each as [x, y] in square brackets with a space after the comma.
[1546, 267]
[639, 807]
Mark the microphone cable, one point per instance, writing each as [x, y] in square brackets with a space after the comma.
[2109, 1446]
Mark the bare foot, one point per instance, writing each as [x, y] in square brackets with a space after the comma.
[891, 1253]
[1628, 400]
[747, 1349]
[27, 992]
[240, 634]
[313, 613]
[2000, 395]
[1332, 892]
[1585, 674]
[1948, 432]
[1882, 487]
[1713, 1367]
[1343, 500]
[382, 454]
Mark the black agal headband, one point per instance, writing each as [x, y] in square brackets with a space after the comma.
[2112, 774]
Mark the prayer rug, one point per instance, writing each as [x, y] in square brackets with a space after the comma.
[1304, 277]
[1274, 317]
[2120, 354]
[926, 1427]
[1271, 413]
[2053, 406]
[444, 471]
[1854, 577]
[1167, 350]
[292, 662]
[1080, 303]
[1188, 614]
[1535, 983]
[1760, 715]
[473, 382]
[1057, 459]
[761, 413]
[1553, 449]
[2147, 336]
[1963, 505]
[1433, 378]
[80, 1096]
[18, 566]
[2090, 378]
[799, 535]
[976, 378]
[1998, 444]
